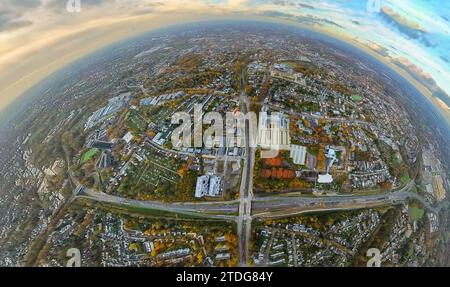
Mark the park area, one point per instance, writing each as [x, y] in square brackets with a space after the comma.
[416, 213]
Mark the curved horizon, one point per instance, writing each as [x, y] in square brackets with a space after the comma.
[66, 65]
[255, 133]
[412, 38]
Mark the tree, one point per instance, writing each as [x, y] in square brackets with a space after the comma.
[249, 90]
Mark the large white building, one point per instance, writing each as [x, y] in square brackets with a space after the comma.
[128, 137]
[208, 185]
[298, 154]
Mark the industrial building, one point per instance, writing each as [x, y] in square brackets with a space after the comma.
[152, 101]
[108, 111]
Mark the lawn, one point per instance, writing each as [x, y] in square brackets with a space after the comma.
[88, 155]
[357, 98]
[416, 213]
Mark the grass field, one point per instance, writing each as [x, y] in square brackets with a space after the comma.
[405, 178]
[416, 213]
[88, 155]
[356, 98]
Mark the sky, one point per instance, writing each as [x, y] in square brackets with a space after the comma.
[39, 37]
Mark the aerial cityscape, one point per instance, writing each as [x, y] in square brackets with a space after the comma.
[233, 142]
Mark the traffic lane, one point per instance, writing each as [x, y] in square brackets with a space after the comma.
[311, 202]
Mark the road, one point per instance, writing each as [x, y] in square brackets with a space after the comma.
[244, 220]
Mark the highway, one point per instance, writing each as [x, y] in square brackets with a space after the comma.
[248, 207]
[275, 207]
[214, 210]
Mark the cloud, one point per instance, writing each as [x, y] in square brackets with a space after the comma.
[28, 27]
[60, 5]
[22, 3]
[10, 20]
[13, 13]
